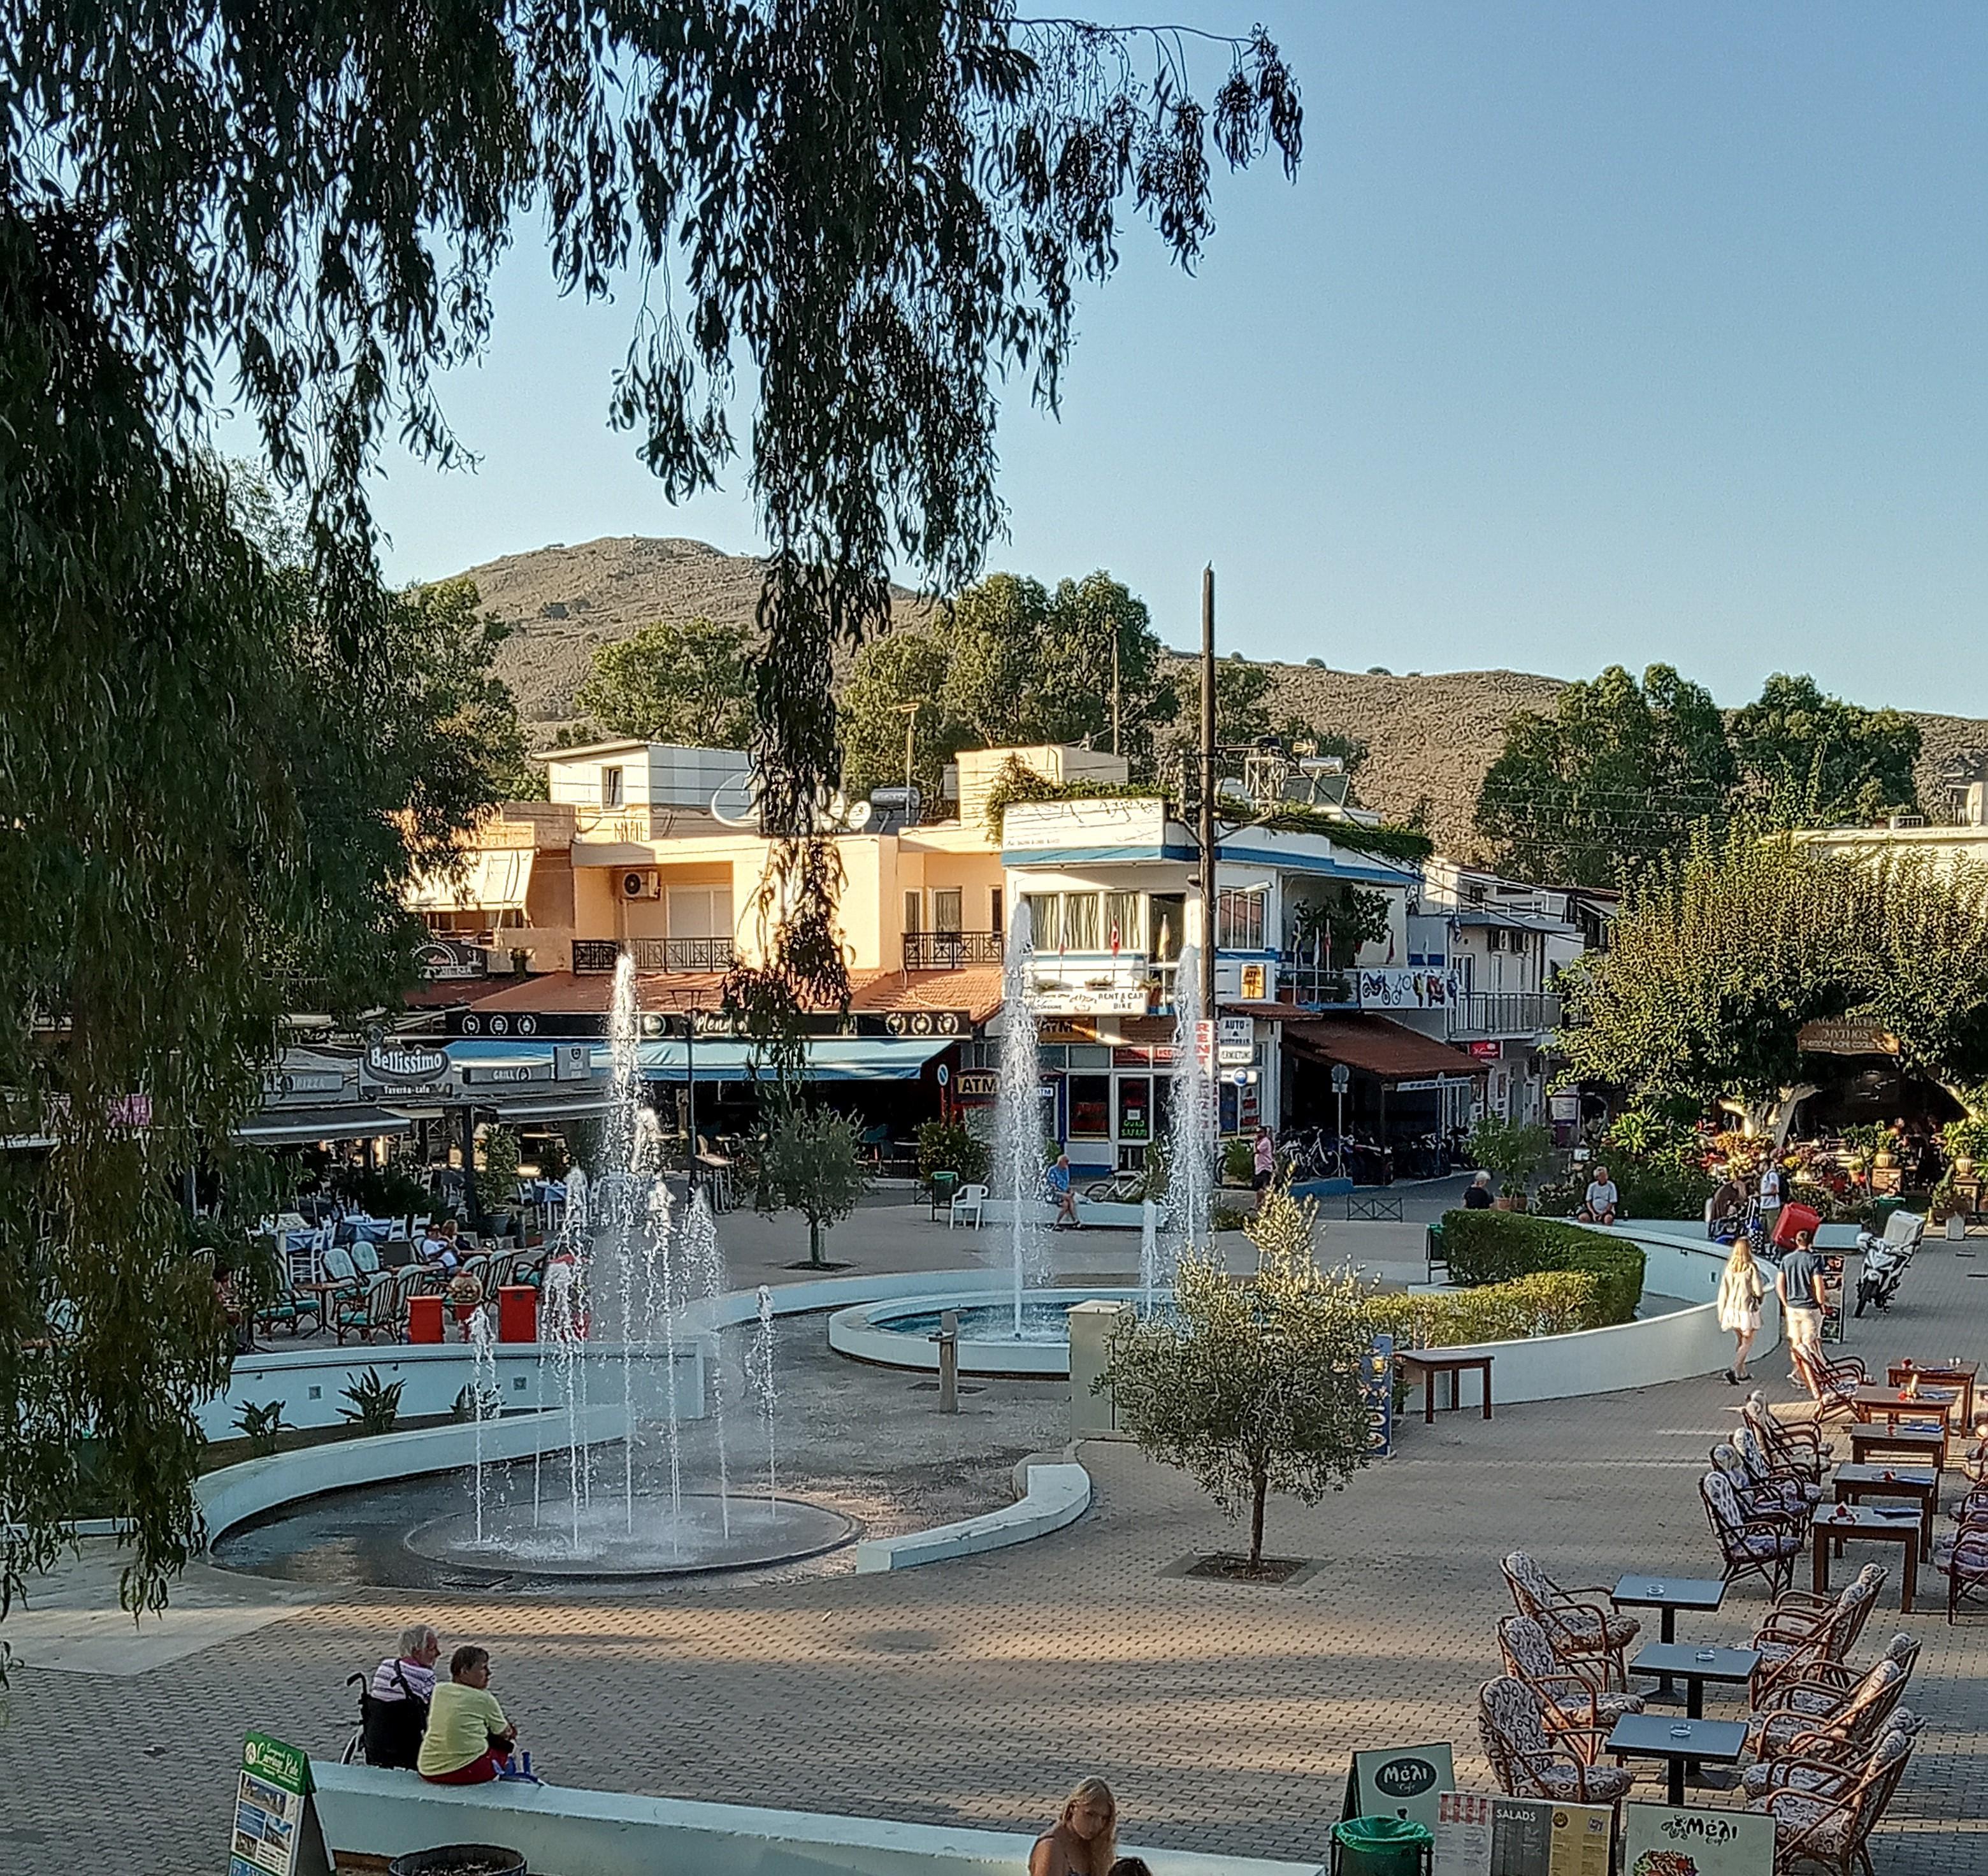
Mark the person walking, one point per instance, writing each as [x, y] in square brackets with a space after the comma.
[1798, 1285]
[1740, 1290]
[1770, 1199]
[1263, 1160]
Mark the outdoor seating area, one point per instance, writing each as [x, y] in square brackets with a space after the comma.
[1821, 1743]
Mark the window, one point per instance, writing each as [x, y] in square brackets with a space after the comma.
[1135, 1107]
[1494, 938]
[1090, 1107]
[1045, 928]
[700, 911]
[1238, 921]
[1080, 922]
[945, 910]
[610, 787]
[994, 920]
[1122, 929]
[911, 914]
[1166, 918]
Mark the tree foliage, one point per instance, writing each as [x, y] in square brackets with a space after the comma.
[811, 1163]
[1831, 762]
[689, 683]
[1253, 1386]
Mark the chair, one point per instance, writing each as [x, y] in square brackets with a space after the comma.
[1752, 1543]
[1792, 1446]
[289, 1308]
[966, 1203]
[1796, 1487]
[1581, 1624]
[1832, 1385]
[1962, 1560]
[1771, 1498]
[1827, 1768]
[1849, 1710]
[1528, 1764]
[1801, 1630]
[1570, 1702]
[1833, 1831]
[365, 1257]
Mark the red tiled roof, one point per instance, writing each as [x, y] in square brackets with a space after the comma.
[1270, 1012]
[1377, 1047]
[976, 988]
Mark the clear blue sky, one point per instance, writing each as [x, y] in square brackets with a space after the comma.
[1586, 334]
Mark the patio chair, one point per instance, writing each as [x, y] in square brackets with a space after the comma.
[1802, 1629]
[287, 1309]
[1832, 1385]
[1581, 1624]
[365, 1256]
[1962, 1560]
[1758, 1498]
[1833, 1831]
[1570, 1700]
[1796, 1487]
[1796, 1446]
[1754, 1543]
[1823, 1708]
[1527, 1763]
[1827, 1768]
[966, 1203]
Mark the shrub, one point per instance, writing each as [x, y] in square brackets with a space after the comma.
[1547, 1303]
[1494, 1247]
[1513, 1150]
[1239, 1160]
[262, 1427]
[1649, 1189]
[944, 1148]
[498, 1183]
[376, 1405]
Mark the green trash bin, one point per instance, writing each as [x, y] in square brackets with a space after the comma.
[943, 1185]
[1382, 1847]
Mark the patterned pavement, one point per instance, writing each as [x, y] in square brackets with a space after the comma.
[978, 1691]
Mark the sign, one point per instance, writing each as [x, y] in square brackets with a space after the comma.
[1255, 983]
[1843, 1037]
[1401, 1781]
[275, 1831]
[1242, 1076]
[978, 1084]
[1377, 1383]
[1099, 999]
[1564, 1107]
[1480, 1836]
[943, 1076]
[1486, 1051]
[407, 1064]
[1236, 1041]
[1206, 1045]
[1658, 1841]
[572, 1061]
[1132, 830]
[440, 961]
[1342, 1077]
[1405, 987]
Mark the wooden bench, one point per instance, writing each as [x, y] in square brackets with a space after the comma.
[1425, 1364]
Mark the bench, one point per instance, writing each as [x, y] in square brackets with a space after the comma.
[1425, 1364]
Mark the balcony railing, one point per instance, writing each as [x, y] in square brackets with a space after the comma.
[1313, 986]
[683, 954]
[1503, 1012]
[595, 957]
[947, 951]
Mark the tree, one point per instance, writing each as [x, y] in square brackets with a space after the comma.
[1921, 973]
[865, 215]
[897, 679]
[1617, 776]
[1513, 1150]
[811, 1165]
[668, 683]
[1253, 1386]
[1827, 761]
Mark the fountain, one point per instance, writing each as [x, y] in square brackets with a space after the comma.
[1018, 1111]
[1149, 1252]
[760, 1371]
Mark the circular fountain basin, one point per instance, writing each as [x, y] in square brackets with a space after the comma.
[898, 1334]
[703, 1534]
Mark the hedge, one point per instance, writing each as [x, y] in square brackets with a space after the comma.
[1494, 1247]
[1547, 1303]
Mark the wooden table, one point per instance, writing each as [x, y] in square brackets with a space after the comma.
[1892, 1405]
[1918, 1484]
[1869, 1443]
[1669, 1594]
[1426, 1364]
[1859, 1524]
[1960, 1375]
[1657, 1736]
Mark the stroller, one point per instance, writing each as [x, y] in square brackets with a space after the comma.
[389, 1732]
[1886, 1258]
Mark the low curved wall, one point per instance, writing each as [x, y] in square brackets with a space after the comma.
[1056, 1496]
[854, 1332]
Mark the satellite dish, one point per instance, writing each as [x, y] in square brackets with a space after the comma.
[861, 817]
[736, 803]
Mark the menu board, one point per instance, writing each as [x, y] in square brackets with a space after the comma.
[276, 1830]
[1477, 1836]
[1376, 1382]
[1399, 1781]
[1659, 1841]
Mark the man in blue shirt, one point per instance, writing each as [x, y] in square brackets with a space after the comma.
[1065, 1200]
[1798, 1285]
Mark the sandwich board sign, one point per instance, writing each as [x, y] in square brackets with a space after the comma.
[275, 1831]
[1400, 1781]
[1481, 1835]
[1659, 1841]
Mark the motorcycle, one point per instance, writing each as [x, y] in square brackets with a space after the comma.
[1886, 1259]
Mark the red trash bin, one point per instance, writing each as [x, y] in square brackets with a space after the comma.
[517, 1314]
[1794, 1217]
[424, 1319]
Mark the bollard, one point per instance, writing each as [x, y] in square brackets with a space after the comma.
[947, 1340]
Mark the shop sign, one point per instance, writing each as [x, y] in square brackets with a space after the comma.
[1255, 983]
[1235, 1037]
[977, 1084]
[1657, 1841]
[1487, 1052]
[1405, 987]
[276, 1831]
[1476, 1835]
[409, 1064]
[440, 961]
[1842, 1037]
[1400, 1781]
[293, 1084]
[1564, 1107]
[1125, 999]
[1043, 826]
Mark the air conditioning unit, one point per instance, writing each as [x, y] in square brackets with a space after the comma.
[639, 886]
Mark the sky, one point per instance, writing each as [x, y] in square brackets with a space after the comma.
[1586, 335]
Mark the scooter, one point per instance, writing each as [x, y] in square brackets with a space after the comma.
[1886, 1259]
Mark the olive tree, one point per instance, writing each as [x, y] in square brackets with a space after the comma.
[1252, 1385]
[811, 1163]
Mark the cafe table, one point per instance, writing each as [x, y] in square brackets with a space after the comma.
[1866, 1524]
[1641, 1589]
[1695, 1666]
[1917, 1485]
[1889, 1405]
[1957, 1375]
[1658, 1735]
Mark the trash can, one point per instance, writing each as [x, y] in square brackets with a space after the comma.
[1382, 1847]
[943, 1186]
[424, 1319]
[517, 1314]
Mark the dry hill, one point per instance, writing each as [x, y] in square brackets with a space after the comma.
[1430, 737]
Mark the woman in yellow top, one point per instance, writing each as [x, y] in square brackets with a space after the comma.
[469, 1740]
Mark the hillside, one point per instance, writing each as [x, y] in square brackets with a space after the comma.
[1431, 737]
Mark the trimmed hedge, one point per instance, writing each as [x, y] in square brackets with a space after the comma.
[1494, 1247]
[1547, 1303]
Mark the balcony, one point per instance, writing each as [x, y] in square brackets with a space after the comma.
[948, 950]
[1487, 1013]
[1313, 986]
[683, 954]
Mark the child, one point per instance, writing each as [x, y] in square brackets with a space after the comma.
[469, 1740]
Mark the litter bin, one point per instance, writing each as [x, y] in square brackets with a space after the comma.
[943, 1186]
[424, 1319]
[517, 1314]
[1382, 1847]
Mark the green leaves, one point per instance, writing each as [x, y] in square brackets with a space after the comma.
[810, 1162]
[690, 684]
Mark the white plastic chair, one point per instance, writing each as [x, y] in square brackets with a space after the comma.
[967, 1202]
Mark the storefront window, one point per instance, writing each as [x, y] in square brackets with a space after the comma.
[1135, 1107]
[1090, 1107]
[1045, 924]
[1166, 924]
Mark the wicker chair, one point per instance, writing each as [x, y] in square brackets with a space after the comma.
[1833, 1831]
[1827, 1768]
[1571, 1700]
[1962, 1559]
[1832, 1385]
[1580, 1624]
[1796, 1446]
[1802, 1630]
[1768, 1497]
[1796, 1487]
[1528, 1763]
[1754, 1543]
[1822, 1707]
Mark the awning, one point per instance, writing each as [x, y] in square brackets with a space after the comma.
[493, 881]
[830, 1058]
[290, 1126]
[529, 1110]
[1374, 1046]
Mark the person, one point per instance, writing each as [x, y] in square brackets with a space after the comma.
[1065, 1200]
[1798, 1285]
[1739, 1292]
[439, 1246]
[1722, 1210]
[1263, 1156]
[1770, 1199]
[1597, 1206]
[395, 1711]
[1084, 1840]
[469, 1740]
[1477, 1193]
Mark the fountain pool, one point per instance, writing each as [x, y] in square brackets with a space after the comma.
[898, 1333]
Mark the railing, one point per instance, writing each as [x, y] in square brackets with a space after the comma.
[595, 957]
[1312, 985]
[685, 954]
[947, 951]
[1503, 1012]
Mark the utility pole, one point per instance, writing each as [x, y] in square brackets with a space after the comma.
[1207, 819]
[1117, 747]
[910, 714]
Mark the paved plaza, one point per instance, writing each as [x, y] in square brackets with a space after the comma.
[977, 1692]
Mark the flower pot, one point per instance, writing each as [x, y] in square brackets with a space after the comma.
[1963, 1165]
